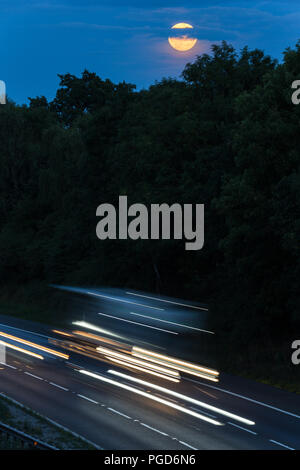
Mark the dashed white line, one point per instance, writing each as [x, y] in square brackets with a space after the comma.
[88, 399]
[187, 445]
[125, 301]
[167, 301]
[282, 445]
[119, 413]
[154, 429]
[171, 323]
[139, 324]
[241, 427]
[59, 386]
[245, 398]
[32, 375]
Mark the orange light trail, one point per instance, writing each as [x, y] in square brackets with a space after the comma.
[34, 345]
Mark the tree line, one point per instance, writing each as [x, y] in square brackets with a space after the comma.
[225, 134]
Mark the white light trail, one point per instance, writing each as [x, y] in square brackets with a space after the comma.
[127, 358]
[142, 369]
[183, 397]
[151, 397]
[90, 326]
[178, 364]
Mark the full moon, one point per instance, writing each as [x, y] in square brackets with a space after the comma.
[181, 39]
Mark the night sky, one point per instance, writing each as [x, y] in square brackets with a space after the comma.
[127, 40]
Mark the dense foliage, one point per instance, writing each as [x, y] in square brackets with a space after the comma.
[225, 135]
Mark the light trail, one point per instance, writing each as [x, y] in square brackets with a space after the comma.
[100, 339]
[25, 351]
[151, 397]
[142, 369]
[34, 345]
[172, 323]
[61, 333]
[183, 397]
[136, 323]
[90, 326]
[167, 301]
[178, 364]
[125, 301]
[130, 359]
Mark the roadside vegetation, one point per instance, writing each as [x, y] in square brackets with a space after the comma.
[27, 421]
[227, 135]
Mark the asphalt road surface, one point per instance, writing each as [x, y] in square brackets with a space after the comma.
[119, 407]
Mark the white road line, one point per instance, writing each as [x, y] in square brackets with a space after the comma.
[125, 301]
[172, 323]
[282, 445]
[59, 386]
[154, 429]
[119, 413]
[32, 375]
[167, 301]
[136, 323]
[8, 365]
[88, 399]
[246, 398]
[188, 445]
[241, 427]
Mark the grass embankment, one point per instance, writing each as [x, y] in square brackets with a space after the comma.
[36, 426]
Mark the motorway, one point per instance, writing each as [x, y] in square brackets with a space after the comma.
[114, 398]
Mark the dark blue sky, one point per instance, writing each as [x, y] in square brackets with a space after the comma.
[127, 40]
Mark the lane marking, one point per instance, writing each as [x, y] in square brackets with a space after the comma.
[8, 365]
[88, 399]
[188, 445]
[154, 429]
[119, 413]
[151, 397]
[32, 375]
[110, 409]
[172, 323]
[125, 301]
[167, 301]
[246, 398]
[182, 397]
[241, 427]
[282, 445]
[59, 386]
[136, 323]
